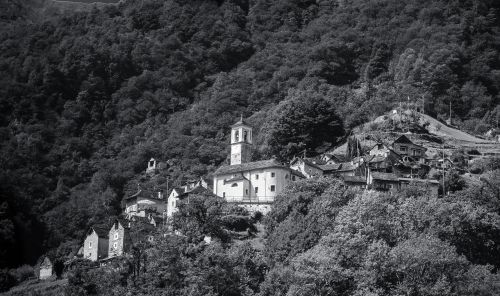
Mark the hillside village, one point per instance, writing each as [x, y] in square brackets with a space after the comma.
[380, 159]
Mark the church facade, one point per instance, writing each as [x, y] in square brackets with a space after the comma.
[253, 185]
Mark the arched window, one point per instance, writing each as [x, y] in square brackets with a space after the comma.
[245, 136]
[234, 185]
[236, 135]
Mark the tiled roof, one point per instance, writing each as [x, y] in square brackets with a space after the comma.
[384, 176]
[378, 159]
[330, 167]
[307, 161]
[403, 139]
[249, 166]
[347, 166]
[297, 173]
[355, 179]
[240, 122]
[419, 180]
[143, 194]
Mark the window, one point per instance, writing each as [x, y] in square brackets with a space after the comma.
[246, 191]
[273, 175]
[223, 194]
[245, 136]
[257, 177]
[116, 235]
[403, 148]
[273, 188]
[293, 178]
[90, 245]
[256, 189]
[286, 176]
[115, 245]
[236, 136]
[234, 185]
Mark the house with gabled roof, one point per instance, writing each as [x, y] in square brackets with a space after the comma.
[405, 147]
[143, 201]
[251, 184]
[330, 158]
[309, 168]
[95, 245]
[383, 158]
[45, 269]
[183, 192]
[119, 238]
[383, 181]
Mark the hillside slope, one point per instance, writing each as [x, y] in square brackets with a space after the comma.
[439, 129]
[87, 97]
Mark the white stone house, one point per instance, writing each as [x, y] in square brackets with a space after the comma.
[95, 246]
[119, 239]
[180, 193]
[46, 268]
[142, 202]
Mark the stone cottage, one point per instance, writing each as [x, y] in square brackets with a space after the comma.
[119, 238]
[46, 268]
[95, 246]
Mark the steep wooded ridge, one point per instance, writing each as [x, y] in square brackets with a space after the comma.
[86, 98]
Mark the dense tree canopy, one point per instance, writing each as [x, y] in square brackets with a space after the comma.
[87, 97]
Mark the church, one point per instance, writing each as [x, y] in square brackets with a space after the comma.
[253, 185]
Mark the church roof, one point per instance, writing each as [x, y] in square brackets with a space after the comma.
[249, 166]
[240, 122]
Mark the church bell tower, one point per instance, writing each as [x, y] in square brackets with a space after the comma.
[241, 142]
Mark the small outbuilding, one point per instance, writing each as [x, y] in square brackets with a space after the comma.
[46, 269]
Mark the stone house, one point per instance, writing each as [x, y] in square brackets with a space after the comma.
[383, 181]
[306, 166]
[143, 201]
[95, 246]
[330, 169]
[119, 238]
[405, 147]
[355, 181]
[46, 269]
[329, 158]
[432, 185]
[181, 193]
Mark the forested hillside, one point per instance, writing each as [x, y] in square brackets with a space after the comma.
[86, 98]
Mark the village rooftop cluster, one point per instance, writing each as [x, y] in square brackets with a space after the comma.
[254, 186]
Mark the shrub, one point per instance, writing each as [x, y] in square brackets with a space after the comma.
[237, 223]
[22, 273]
